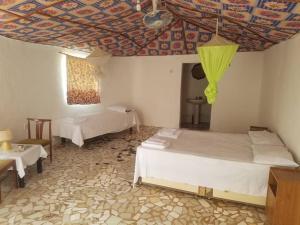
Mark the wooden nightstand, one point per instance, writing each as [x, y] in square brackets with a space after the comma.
[283, 198]
[256, 128]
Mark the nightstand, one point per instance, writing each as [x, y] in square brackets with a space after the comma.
[283, 198]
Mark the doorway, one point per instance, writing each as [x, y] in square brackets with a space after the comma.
[195, 112]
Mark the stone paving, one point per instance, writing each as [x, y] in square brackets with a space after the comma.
[92, 185]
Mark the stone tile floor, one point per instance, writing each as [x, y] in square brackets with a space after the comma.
[92, 185]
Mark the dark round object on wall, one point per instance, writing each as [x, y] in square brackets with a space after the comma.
[198, 72]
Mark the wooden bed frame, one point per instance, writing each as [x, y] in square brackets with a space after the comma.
[204, 191]
[208, 192]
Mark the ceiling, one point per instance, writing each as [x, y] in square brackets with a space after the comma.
[116, 27]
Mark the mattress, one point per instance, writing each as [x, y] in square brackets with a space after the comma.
[80, 128]
[221, 161]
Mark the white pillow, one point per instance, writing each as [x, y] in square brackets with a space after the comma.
[119, 108]
[264, 138]
[273, 155]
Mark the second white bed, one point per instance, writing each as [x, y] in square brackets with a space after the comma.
[82, 127]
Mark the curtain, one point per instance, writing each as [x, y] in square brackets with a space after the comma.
[215, 57]
[82, 82]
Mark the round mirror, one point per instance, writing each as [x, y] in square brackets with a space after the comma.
[198, 72]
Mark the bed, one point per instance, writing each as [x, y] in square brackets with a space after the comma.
[80, 128]
[206, 163]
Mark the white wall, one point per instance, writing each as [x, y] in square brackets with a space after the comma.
[31, 85]
[157, 83]
[280, 105]
[237, 105]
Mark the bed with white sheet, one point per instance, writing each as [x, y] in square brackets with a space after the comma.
[80, 128]
[223, 162]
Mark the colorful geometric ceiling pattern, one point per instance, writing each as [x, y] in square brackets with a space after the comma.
[116, 26]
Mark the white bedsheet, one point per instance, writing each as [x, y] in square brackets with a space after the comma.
[216, 160]
[92, 125]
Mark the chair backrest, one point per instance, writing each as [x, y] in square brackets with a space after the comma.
[39, 126]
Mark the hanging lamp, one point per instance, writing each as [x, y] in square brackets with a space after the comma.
[98, 58]
[215, 57]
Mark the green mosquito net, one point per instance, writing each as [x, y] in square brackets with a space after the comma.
[215, 57]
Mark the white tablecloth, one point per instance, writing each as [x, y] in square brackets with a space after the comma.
[24, 158]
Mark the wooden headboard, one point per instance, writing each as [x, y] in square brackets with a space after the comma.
[257, 128]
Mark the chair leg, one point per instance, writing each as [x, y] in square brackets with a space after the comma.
[21, 182]
[50, 152]
[15, 172]
[39, 165]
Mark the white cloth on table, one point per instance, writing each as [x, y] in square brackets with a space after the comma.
[93, 125]
[216, 160]
[24, 158]
[169, 133]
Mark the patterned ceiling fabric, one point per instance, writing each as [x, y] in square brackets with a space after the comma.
[116, 27]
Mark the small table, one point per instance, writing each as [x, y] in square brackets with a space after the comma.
[4, 166]
[25, 155]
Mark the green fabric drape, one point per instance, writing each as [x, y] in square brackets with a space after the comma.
[215, 57]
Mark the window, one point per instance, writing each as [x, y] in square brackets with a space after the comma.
[82, 82]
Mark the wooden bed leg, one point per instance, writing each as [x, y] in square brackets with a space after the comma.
[139, 181]
[21, 182]
[63, 140]
[39, 165]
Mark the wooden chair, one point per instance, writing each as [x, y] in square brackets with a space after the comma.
[38, 140]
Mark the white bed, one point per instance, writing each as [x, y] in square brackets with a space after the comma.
[220, 161]
[87, 126]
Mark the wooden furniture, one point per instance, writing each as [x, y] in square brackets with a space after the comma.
[4, 166]
[257, 128]
[283, 198]
[38, 140]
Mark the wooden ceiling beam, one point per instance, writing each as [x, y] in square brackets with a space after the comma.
[254, 24]
[207, 29]
[211, 30]
[91, 26]
[184, 38]
[62, 35]
[95, 39]
[26, 17]
[13, 14]
[226, 18]
[203, 26]
[192, 22]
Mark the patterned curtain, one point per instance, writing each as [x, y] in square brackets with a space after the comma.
[83, 84]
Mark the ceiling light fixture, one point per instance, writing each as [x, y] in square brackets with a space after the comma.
[157, 18]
